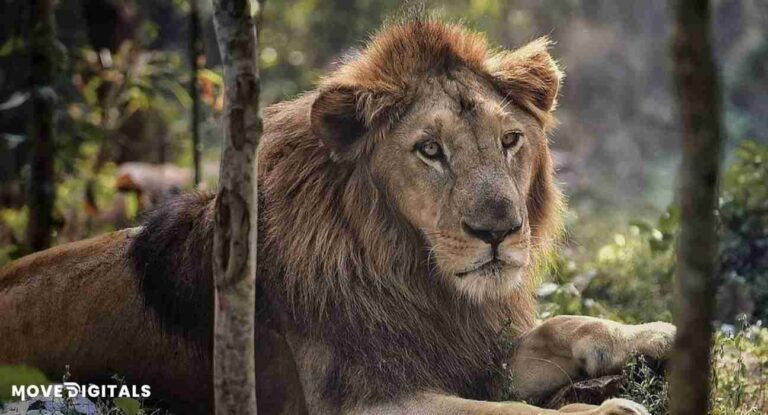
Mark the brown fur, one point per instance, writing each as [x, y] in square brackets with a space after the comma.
[79, 304]
[348, 295]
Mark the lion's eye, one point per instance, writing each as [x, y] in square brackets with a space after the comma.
[430, 149]
[511, 139]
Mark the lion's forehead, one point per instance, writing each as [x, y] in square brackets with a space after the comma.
[467, 117]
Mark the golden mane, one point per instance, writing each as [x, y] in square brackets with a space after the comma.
[341, 258]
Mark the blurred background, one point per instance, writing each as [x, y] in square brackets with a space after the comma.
[124, 138]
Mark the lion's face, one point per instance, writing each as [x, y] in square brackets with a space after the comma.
[457, 138]
[459, 166]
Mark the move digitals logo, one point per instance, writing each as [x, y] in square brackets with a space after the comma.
[74, 390]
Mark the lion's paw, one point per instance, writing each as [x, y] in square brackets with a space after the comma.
[653, 339]
[621, 407]
[608, 348]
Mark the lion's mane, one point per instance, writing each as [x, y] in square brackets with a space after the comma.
[335, 257]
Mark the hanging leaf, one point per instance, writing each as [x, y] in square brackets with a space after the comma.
[129, 406]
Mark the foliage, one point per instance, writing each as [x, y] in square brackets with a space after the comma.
[744, 219]
[740, 372]
[129, 406]
[114, 107]
[108, 91]
[645, 384]
[12, 225]
[634, 272]
[18, 375]
[739, 375]
[630, 278]
[72, 213]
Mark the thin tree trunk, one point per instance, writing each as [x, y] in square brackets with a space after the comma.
[195, 53]
[699, 109]
[41, 191]
[234, 244]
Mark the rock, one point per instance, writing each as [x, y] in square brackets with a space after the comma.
[51, 406]
[590, 391]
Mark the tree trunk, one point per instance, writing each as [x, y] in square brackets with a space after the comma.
[699, 109]
[234, 244]
[195, 54]
[41, 192]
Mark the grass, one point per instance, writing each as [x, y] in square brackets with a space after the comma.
[739, 376]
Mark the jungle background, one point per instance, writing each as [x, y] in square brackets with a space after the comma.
[124, 142]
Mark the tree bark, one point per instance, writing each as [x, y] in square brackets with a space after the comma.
[698, 99]
[234, 244]
[41, 192]
[195, 54]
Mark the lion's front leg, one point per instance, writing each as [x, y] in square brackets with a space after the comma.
[430, 403]
[564, 349]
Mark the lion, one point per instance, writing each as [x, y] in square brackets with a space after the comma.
[406, 205]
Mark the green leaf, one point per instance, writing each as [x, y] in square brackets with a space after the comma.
[132, 206]
[11, 45]
[90, 92]
[18, 375]
[211, 76]
[129, 406]
[180, 93]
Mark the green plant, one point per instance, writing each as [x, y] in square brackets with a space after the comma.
[12, 225]
[739, 375]
[740, 371]
[646, 385]
[18, 375]
[630, 278]
[634, 272]
[744, 223]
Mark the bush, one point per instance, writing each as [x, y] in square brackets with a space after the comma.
[744, 221]
[740, 372]
[630, 277]
[739, 376]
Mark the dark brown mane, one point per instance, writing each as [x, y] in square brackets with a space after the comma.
[337, 258]
[172, 258]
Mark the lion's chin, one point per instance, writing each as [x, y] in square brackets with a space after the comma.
[489, 281]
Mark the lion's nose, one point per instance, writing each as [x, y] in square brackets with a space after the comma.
[492, 236]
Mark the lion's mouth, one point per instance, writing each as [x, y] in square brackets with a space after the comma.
[490, 268]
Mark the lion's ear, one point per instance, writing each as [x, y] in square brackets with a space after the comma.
[529, 73]
[336, 120]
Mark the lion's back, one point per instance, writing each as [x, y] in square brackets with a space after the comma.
[42, 293]
[79, 257]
